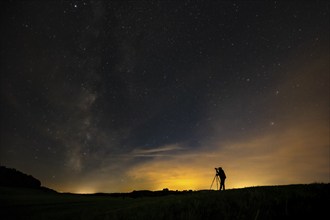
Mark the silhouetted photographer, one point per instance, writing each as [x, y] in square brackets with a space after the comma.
[219, 178]
[221, 174]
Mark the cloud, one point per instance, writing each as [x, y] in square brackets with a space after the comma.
[159, 151]
[294, 155]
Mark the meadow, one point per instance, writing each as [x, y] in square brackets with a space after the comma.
[310, 201]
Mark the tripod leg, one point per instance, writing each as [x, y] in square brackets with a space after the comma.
[212, 182]
[217, 182]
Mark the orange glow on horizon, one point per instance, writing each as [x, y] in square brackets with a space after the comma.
[297, 154]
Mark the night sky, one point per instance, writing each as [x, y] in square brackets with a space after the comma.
[115, 96]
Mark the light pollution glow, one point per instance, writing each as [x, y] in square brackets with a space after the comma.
[285, 158]
[298, 154]
[295, 150]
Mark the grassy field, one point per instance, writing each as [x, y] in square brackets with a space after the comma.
[267, 202]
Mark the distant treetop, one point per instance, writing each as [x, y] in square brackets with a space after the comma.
[14, 178]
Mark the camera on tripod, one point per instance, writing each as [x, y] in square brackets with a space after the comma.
[219, 178]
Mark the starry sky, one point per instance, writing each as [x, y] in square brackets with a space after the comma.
[115, 96]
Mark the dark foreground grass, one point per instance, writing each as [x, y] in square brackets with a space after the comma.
[267, 202]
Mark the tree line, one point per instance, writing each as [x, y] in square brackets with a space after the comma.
[14, 178]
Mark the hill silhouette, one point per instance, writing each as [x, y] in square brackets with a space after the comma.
[14, 178]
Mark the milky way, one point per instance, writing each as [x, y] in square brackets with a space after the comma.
[116, 96]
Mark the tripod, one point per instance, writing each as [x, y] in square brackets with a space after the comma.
[217, 179]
